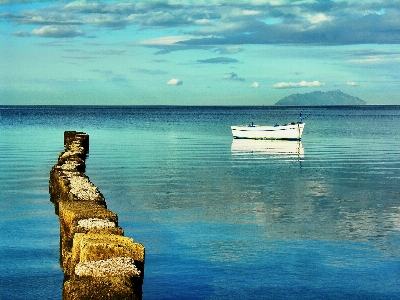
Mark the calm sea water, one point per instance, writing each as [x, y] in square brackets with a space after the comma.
[220, 218]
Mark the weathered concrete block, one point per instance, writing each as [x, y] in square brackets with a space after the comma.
[68, 161]
[70, 213]
[95, 247]
[59, 185]
[74, 137]
[67, 185]
[102, 288]
[83, 217]
[100, 246]
[84, 190]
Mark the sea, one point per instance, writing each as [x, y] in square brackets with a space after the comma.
[219, 218]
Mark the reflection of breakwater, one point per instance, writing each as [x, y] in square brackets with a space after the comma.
[97, 260]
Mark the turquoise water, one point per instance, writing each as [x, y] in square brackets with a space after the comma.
[220, 218]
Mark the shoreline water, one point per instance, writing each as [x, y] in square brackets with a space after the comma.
[325, 224]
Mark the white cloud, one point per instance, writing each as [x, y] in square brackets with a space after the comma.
[175, 81]
[352, 83]
[366, 60]
[239, 12]
[166, 40]
[240, 22]
[232, 76]
[54, 31]
[317, 18]
[255, 85]
[289, 85]
[203, 22]
[81, 5]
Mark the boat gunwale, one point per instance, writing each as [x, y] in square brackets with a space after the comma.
[256, 131]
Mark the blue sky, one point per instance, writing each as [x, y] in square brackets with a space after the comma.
[186, 52]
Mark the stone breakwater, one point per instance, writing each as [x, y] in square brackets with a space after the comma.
[98, 261]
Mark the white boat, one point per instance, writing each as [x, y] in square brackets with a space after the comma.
[291, 131]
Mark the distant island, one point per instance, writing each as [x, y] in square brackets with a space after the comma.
[336, 97]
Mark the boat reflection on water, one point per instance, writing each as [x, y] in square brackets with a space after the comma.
[273, 148]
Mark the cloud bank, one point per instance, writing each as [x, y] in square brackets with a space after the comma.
[301, 84]
[225, 24]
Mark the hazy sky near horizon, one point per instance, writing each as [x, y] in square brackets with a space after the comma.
[186, 52]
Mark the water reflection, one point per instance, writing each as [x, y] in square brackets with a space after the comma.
[394, 217]
[276, 148]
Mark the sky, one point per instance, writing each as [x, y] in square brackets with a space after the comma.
[186, 52]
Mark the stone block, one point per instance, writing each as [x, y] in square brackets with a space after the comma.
[59, 188]
[68, 161]
[101, 246]
[74, 137]
[70, 185]
[96, 247]
[83, 217]
[102, 288]
[83, 189]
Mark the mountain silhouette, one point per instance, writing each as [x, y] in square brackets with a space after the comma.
[316, 98]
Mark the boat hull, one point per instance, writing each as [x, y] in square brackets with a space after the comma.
[291, 131]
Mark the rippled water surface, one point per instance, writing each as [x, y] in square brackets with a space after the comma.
[220, 218]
